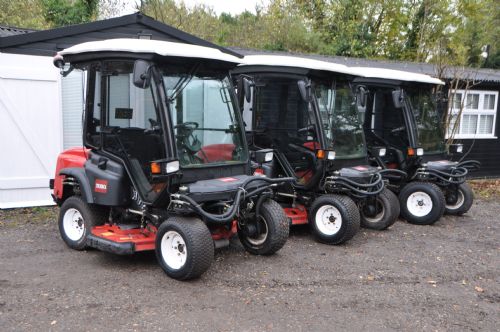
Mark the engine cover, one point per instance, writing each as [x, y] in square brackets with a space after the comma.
[220, 189]
[360, 174]
[441, 165]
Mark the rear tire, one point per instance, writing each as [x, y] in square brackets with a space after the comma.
[463, 202]
[76, 220]
[184, 247]
[387, 212]
[421, 203]
[274, 230]
[334, 219]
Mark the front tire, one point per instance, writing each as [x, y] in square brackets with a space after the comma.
[459, 202]
[269, 232]
[184, 247]
[334, 219]
[422, 203]
[76, 220]
[386, 211]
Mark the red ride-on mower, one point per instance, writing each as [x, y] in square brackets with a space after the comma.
[305, 111]
[165, 165]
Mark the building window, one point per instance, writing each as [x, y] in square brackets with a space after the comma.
[475, 112]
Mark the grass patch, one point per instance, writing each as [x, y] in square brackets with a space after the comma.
[37, 214]
[487, 189]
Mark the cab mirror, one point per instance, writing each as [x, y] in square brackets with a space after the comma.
[305, 90]
[142, 74]
[361, 95]
[247, 88]
[397, 98]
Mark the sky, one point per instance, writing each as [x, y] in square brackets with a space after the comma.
[219, 6]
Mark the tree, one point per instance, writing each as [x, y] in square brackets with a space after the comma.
[23, 14]
[67, 12]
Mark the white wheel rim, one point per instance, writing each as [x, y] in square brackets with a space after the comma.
[328, 219]
[173, 250]
[378, 216]
[460, 201]
[419, 204]
[262, 236]
[73, 224]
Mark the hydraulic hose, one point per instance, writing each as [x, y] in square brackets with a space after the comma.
[471, 165]
[359, 188]
[231, 212]
[452, 177]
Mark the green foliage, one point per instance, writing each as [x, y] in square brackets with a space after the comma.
[67, 12]
[445, 32]
[23, 14]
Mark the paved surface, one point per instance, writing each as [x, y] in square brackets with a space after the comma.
[441, 277]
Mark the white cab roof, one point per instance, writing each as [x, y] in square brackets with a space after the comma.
[159, 47]
[398, 75]
[297, 62]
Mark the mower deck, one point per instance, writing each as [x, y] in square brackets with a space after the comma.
[126, 241]
[297, 215]
[122, 241]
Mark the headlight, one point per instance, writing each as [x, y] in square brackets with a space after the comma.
[420, 152]
[172, 166]
[263, 156]
[382, 152]
[330, 155]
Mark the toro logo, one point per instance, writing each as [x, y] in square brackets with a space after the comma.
[228, 179]
[101, 186]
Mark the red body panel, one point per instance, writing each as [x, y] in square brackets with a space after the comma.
[74, 157]
[143, 239]
[217, 152]
[222, 232]
[298, 215]
[313, 146]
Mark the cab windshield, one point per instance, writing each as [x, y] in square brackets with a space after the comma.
[341, 120]
[428, 120]
[206, 126]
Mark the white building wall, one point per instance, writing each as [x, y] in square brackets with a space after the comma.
[30, 129]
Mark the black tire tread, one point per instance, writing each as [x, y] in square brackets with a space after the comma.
[392, 210]
[93, 215]
[352, 220]
[279, 229]
[201, 250]
[441, 204]
[468, 200]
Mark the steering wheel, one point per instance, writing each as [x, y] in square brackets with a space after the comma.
[186, 138]
[190, 125]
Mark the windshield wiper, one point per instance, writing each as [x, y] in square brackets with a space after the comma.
[183, 82]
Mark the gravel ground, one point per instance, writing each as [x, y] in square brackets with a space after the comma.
[441, 277]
